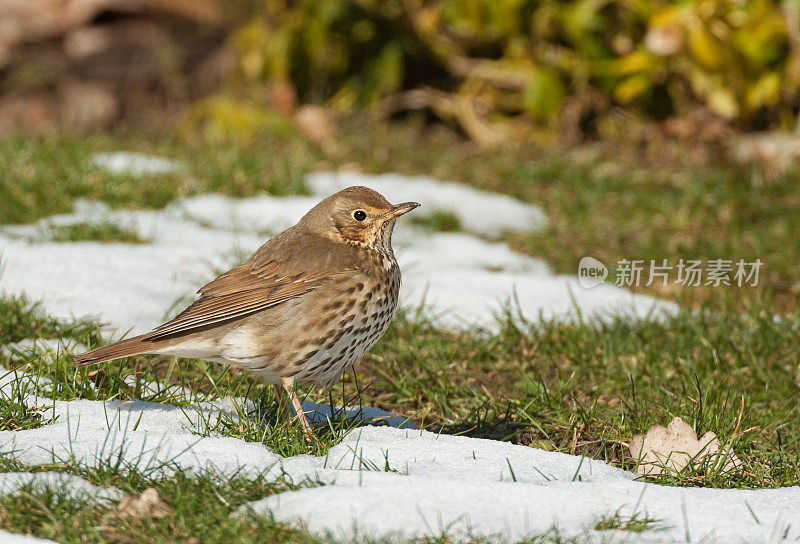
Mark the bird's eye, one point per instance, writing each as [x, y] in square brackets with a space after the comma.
[359, 215]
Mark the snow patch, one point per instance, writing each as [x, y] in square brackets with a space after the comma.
[152, 438]
[51, 348]
[381, 505]
[384, 482]
[15, 538]
[68, 485]
[134, 164]
[148, 437]
[381, 481]
[16, 383]
[264, 214]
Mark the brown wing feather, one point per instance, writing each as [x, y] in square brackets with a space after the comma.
[282, 269]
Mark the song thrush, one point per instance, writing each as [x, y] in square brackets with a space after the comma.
[302, 308]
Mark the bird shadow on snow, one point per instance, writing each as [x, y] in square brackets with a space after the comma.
[317, 414]
[360, 415]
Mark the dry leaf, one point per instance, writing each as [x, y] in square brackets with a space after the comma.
[133, 507]
[146, 505]
[671, 448]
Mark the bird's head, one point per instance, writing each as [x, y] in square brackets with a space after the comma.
[357, 215]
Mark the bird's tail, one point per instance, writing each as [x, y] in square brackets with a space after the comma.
[123, 348]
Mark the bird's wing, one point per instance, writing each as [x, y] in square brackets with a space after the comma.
[257, 284]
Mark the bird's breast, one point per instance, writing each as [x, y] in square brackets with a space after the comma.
[356, 315]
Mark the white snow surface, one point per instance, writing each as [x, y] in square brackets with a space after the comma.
[460, 279]
[15, 538]
[134, 164]
[71, 486]
[402, 483]
[32, 388]
[153, 438]
[382, 505]
[42, 346]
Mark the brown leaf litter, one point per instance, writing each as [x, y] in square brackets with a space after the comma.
[672, 448]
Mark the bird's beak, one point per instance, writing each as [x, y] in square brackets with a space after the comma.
[400, 209]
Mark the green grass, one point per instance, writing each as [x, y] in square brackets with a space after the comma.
[438, 221]
[44, 175]
[586, 390]
[201, 509]
[727, 362]
[635, 524]
[572, 388]
[102, 231]
[575, 388]
[21, 320]
[15, 414]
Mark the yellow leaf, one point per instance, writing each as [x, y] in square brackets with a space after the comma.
[705, 50]
[630, 88]
[667, 16]
[220, 118]
[764, 92]
[638, 61]
[721, 101]
[544, 93]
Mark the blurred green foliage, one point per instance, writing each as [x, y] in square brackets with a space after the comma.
[499, 66]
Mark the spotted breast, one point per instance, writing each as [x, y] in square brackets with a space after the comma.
[337, 325]
[360, 314]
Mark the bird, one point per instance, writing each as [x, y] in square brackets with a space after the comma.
[302, 309]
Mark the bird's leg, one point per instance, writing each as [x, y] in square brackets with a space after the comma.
[282, 407]
[288, 385]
